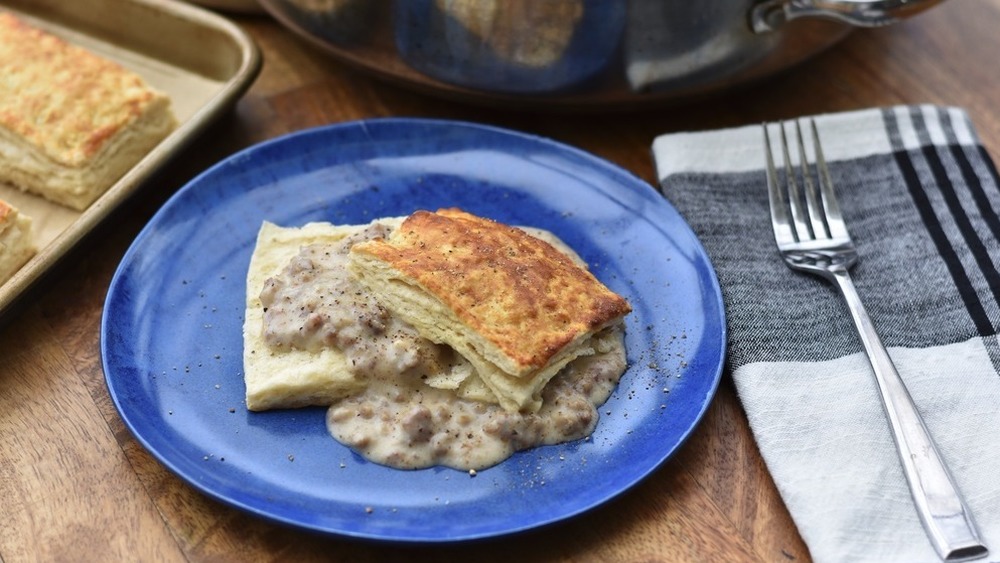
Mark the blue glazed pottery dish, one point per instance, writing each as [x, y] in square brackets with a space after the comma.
[172, 328]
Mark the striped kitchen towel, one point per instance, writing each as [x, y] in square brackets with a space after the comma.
[921, 199]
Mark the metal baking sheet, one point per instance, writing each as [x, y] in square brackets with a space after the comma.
[201, 60]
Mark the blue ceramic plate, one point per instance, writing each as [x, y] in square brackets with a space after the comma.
[172, 328]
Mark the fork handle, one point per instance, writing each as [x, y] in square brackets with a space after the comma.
[944, 514]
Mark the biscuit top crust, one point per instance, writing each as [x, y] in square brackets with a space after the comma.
[516, 291]
[61, 98]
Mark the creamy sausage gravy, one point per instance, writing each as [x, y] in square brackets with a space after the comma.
[399, 420]
[315, 303]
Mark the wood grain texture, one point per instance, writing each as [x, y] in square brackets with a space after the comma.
[75, 485]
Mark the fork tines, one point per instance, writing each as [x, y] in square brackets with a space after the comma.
[803, 214]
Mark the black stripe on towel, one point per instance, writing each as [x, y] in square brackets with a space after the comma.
[965, 290]
[990, 166]
[976, 187]
[961, 219]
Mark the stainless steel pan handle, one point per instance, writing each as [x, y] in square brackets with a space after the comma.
[771, 14]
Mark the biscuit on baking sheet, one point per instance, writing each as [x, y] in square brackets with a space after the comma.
[513, 305]
[16, 245]
[71, 122]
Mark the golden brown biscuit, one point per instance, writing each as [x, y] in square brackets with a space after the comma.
[16, 245]
[517, 308]
[71, 122]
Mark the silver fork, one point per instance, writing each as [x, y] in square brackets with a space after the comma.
[812, 237]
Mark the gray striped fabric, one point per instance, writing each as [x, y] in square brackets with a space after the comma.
[922, 203]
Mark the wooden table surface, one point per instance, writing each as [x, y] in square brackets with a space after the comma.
[74, 483]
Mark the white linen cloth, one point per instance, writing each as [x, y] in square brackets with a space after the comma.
[921, 200]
